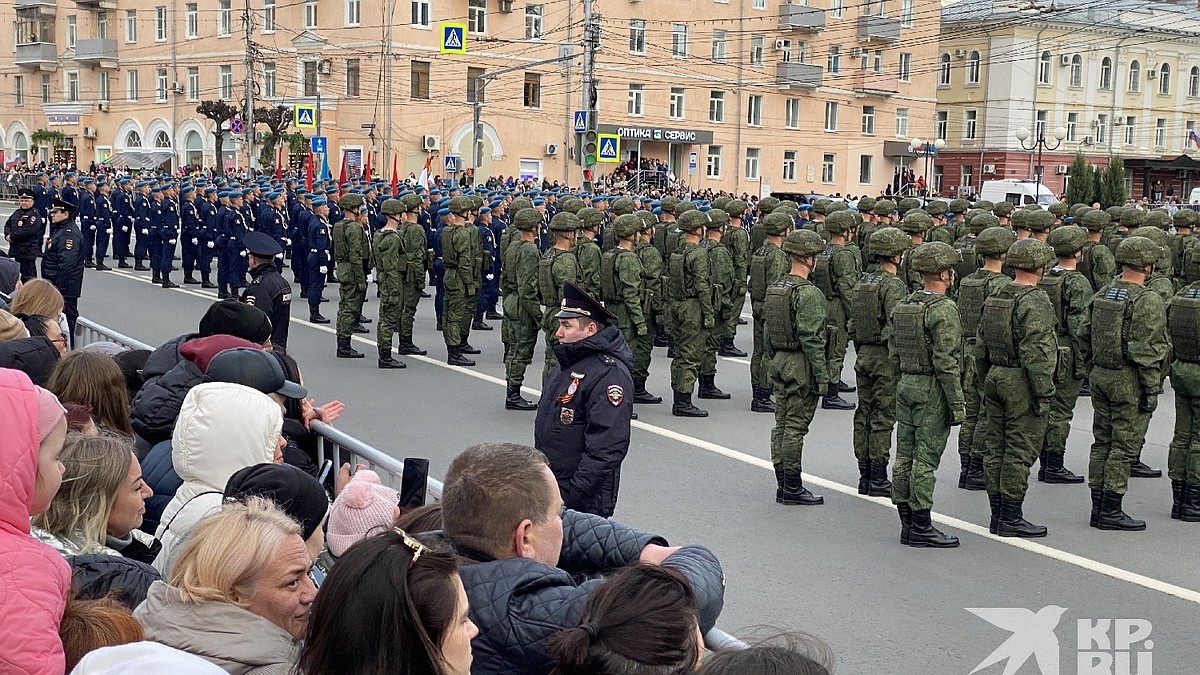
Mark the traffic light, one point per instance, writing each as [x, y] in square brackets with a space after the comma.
[589, 147]
[587, 175]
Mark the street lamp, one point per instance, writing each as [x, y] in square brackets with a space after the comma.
[929, 150]
[1040, 143]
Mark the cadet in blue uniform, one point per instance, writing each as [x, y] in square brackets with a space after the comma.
[268, 290]
[168, 235]
[41, 197]
[86, 217]
[236, 228]
[122, 203]
[438, 274]
[206, 244]
[104, 219]
[62, 263]
[189, 232]
[489, 292]
[319, 255]
[143, 210]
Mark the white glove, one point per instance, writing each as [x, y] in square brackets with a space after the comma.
[195, 241]
[211, 245]
[323, 269]
[171, 242]
[125, 228]
[279, 255]
[490, 277]
[370, 278]
[145, 231]
[93, 228]
[242, 253]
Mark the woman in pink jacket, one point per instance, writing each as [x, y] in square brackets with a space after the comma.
[34, 578]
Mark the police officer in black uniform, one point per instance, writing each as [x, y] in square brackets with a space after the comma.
[268, 290]
[24, 232]
[583, 416]
[62, 263]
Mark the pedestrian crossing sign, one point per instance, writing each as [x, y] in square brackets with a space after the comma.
[454, 38]
[609, 148]
[306, 116]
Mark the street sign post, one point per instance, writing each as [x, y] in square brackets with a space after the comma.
[305, 116]
[451, 164]
[319, 144]
[581, 121]
[609, 150]
[454, 38]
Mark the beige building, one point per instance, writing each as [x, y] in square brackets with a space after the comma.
[745, 95]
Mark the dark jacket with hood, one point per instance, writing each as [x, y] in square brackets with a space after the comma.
[583, 419]
[95, 576]
[34, 356]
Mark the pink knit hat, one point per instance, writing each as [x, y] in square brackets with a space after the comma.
[50, 411]
[365, 507]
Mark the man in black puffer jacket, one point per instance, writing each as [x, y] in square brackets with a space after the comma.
[530, 564]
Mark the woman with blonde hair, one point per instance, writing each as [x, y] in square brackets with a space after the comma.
[239, 593]
[38, 296]
[94, 380]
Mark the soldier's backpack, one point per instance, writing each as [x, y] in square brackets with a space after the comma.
[972, 291]
[781, 330]
[822, 273]
[998, 325]
[1183, 320]
[866, 310]
[1110, 325]
[547, 289]
[910, 338]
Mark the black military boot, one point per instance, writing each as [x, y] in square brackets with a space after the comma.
[994, 523]
[362, 319]
[514, 401]
[762, 401]
[793, 492]
[155, 277]
[905, 522]
[140, 267]
[708, 388]
[1189, 507]
[923, 534]
[190, 280]
[440, 325]
[1051, 470]
[1085, 389]
[359, 328]
[121, 264]
[386, 361]
[879, 485]
[833, 401]
[640, 395]
[167, 283]
[89, 264]
[1140, 469]
[1177, 488]
[314, 316]
[1097, 497]
[1012, 522]
[409, 348]
[454, 357]
[345, 351]
[671, 350]
[964, 462]
[660, 338]
[466, 348]
[223, 293]
[846, 388]
[478, 324]
[101, 267]
[206, 282]
[974, 481]
[864, 476]
[683, 406]
[730, 349]
[1113, 517]
[493, 315]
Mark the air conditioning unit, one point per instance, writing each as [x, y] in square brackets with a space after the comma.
[1151, 73]
[324, 67]
[1064, 60]
[89, 132]
[960, 53]
[989, 168]
[551, 149]
[177, 87]
[855, 52]
[787, 44]
[1061, 169]
[1118, 121]
[1087, 140]
[431, 143]
[506, 6]
[102, 106]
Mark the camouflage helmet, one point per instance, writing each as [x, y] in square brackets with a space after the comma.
[908, 204]
[565, 222]
[411, 202]
[884, 207]
[1116, 212]
[959, 205]
[1137, 251]
[821, 206]
[916, 220]
[1029, 254]
[933, 257]
[691, 220]
[865, 205]
[787, 210]
[591, 217]
[572, 205]
[767, 204]
[392, 207]
[1019, 219]
[1158, 219]
[1068, 239]
[936, 207]
[1095, 220]
[460, 205]
[1160, 238]
[888, 242]
[720, 202]
[982, 221]
[683, 207]
[776, 223]
[626, 225]
[527, 219]
[1132, 217]
[668, 204]
[623, 206]
[1058, 209]
[350, 202]
[1002, 209]
[983, 205]
[836, 205]
[839, 221]
[476, 202]
[736, 208]
[994, 240]
[520, 203]
[718, 218]
[803, 243]
[1186, 218]
[1039, 221]
[647, 218]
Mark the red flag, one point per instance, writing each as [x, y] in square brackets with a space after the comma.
[367, 168]
[395, 176]
[279, 163]
[308, 170]
[342, 175]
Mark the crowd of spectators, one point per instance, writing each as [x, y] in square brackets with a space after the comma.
[163, 511]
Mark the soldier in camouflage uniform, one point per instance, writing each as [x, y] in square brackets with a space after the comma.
[956, 214]
[419, 257]
[352, 250]
[836, 271]
[1037, 224]
[927, 346]
[620, 207]
[916, 224]
[522, 311]
[461, 281]
[1015, 359]
[942, 229]
[765, 206]
[588, 251]
[1070, 294]
[622, 280]
[558, 264]
[737, 241]
[1183, 460]
[872, 301]
[1059, 211]
[689, 287]
[1003, 211]
[866, 209]
[722, 276]
[652, 307]
[1096, 262]
[1126, 335]
[794, 342]
[1185, 243]
[768, 265]
[390, 264]
[1161, 280]
[965, 245]
[1130, 218]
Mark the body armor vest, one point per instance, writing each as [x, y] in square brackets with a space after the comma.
[971, 294]
[910, 338]
[970, 261]
[1191, 261]
[508, 270]
[781, 330]
[1085, 261]
[822, 273]
[866, 310]
[1110, 326]
[676, 281]
[998, 326]
[1183, 320]
[547, 289]
[1052, 282]
[609, 285]
[758, 276]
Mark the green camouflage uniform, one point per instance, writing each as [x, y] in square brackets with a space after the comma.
[1183, 461]
[522, 311]
[622, 282]
[737, 241]
[415, 251]
[588, 252]
[554, 267]
[389, 258]
[689, 287]
[461, 282]
[836, 272]
[768, 265]
[652, 306]
[1074, 298]
[352, 250]
[723, 279]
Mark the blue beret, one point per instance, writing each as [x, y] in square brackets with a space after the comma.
[319, 201]
[186, 189]
[155, 190]
[443, 212]
[209, 190]
[223, 194]
[495, 203]
[141, 184]
[484, 210]
[657, 211]
[804, 207]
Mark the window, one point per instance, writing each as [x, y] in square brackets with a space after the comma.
[1164, 80]
[873, 7]
[160, 84]
[477, 16]
[1106, 73]
[72, 86]
[969, 119]
[72, 31]
[1194, 82]
[718, 46]
[637, 36]
[533, 90]
[833, 60]
[353, 78]
[131, 85]
[225, 18]
[679, 40]
[418, 80]
[270, 82]
[907, 11]
[758, 50]
[752, 156]
[353, 12]
[712, 164]
[864, 169]
[754, 108]
[828, 167]
[160, 24]
[310, 77]
[973, 68]
[533, 22]
[837, 8]
[419, 13]
[268, 16]
[868, 120]
[19, 89]
[191, 21]
[310, 14]
[791, 113]
[1073, 127]
[102, 89]
[759, 4]
[474, 89]
[944, 70]
[789, 166]
[716, 106]
[1039, 124]
[878, 61]
[966, 175]
[226, 83]
[193, 83]
[1160, 132]
[801, 55]
[133, 139]
[102, 25]
[905, 70]
[831, 114]
[1101, 129]
[676, 108]
[1135, 75]
[1130, 130]
[902, 122]
[1076, 71]
[636, 100]
[1044, 68]
[131, 25]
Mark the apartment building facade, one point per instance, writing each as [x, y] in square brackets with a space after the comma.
[743, 95]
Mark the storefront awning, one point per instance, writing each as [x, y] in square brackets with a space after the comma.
[1164, 162]
[139, 159]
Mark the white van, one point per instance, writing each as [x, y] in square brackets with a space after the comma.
[1017, 192]
[1194, 196]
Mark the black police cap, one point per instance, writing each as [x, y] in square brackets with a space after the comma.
[24, 193]
[70, 208]
[260, 244]
[576, 304]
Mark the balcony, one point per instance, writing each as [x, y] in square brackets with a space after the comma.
[801, 17]
[43, 7]
[96, 53]
[871, 83]
[96, 4]
[37, 56]
[798, 75]
[881, 28]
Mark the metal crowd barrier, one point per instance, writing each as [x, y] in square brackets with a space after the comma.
[340, 447]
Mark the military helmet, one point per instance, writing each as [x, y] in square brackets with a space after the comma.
[683, 207]
[391, 207]
[787, 210]
[1160, 238]
[691, 220]
[1137, 251]
[839, 221]
[994, 240]
[884, 207]
[1157, 219]
[821, 206]
[1095, 220]
[565, 222]
[735, 208]
[936, 207]
[647, 218]
[1058, 209]
[959, 205]
[1132, 217]
[572, 205]
[527, 219]
[1020, 219]
[718, 217]
[720, 202]
[668, 204]
[460, 205]
[1003, 209]
[916, 220]
[1186, 217]
[767, 204]
[350, 202]
[626, 225]
[590, 216]
[836, 205]
[803, 243]
[982, 221]
[888, 241]
[1039, 221]
[1077, 210]
[411, 202]
[776, 223]
[983, 205]
[1029, 254]
[520, 203]
[908, 204]
[1116, 212]
[1068, 239]
[933, 257]
[623, 206]
[865, 204]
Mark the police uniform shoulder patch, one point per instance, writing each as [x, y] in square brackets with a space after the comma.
[566, 416]
[248, 299]
[69, 244]
[615, 394]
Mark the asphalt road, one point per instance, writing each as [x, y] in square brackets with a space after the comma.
[836, 571]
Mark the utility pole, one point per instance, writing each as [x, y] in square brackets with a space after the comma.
[591, 40]
[249, 113]
[387, 84]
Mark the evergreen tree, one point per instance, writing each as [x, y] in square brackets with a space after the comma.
[1112, 191]
[1079, 183]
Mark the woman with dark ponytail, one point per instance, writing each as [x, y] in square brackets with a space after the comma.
[642, 621]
